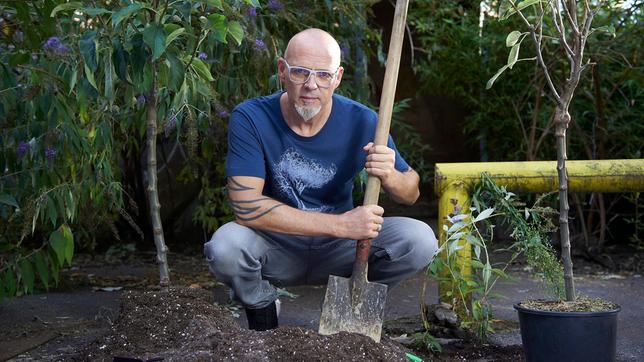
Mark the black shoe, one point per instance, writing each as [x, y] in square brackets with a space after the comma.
[262, 319]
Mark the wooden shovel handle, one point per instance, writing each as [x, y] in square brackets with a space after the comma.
[384, 120]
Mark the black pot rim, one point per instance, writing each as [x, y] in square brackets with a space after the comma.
[521, 309]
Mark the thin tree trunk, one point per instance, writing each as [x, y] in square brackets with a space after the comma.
[153, 196]
[562, 119]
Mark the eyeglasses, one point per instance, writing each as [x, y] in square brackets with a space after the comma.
[301, 75]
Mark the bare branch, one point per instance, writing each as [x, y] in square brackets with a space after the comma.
[523, 130]
[561, 30]
[537, 41]
[411, 43]
[571, 13]
[530, 26]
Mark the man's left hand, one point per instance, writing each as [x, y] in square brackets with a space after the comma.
[380, 161]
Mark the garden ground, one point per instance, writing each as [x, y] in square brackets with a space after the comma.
[112, 308]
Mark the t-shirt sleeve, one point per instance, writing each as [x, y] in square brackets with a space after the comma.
[400, 165]
[245, 156]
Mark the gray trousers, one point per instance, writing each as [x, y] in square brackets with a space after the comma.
[253, 262]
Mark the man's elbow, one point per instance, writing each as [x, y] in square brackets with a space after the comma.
[411, 199]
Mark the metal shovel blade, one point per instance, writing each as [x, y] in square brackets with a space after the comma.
[355, 314]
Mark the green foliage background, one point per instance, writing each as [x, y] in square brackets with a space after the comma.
[458, 51]
[75, 79]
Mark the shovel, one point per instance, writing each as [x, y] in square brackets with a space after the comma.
[354, 304]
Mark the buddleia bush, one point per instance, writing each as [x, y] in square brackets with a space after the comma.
[77, 80]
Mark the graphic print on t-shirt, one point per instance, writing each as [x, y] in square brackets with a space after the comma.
[295, 173]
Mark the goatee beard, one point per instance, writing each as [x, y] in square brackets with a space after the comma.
[307, 112]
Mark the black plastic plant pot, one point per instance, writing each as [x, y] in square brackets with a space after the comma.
[568, 336]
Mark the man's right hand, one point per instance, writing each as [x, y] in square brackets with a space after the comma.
[363, 222]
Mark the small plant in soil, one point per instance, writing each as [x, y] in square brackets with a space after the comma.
[529, 227]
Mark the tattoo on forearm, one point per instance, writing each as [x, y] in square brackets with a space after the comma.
[247, 210]
[251, 218]
[233, 185]
[240, 210]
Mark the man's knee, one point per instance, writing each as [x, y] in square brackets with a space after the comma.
[420, 242]
[224, 251]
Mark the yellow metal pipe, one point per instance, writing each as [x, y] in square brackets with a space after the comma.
[453, 201]
[541, 176]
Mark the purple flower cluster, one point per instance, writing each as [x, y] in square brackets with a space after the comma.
[170, 125]
[140, 100]
[22, 149]
[275, 5]
[252, 12]
[223, 113]
[54, 45]
[259, 45]
[50, 153]
[345, 50]
[202, 56]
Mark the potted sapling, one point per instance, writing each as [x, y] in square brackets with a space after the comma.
[575, 328]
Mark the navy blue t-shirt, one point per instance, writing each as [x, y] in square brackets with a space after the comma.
[309, 173]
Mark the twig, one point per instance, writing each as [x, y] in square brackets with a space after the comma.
[537, 42]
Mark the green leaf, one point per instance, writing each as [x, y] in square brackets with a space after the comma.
[51, 211]
[477, 264]
[18, 58]
[69, 243]
[487, 272]
[236, 31]
[87, 47]
[216, 4]
[109, 79]
[253, 3]
[57, 243]
[10, 282]
[456, 227]
[514, 55]
[53, 265]
[96, 11]
[500, 273]
[70, 207]
[125, 13]
[474, 240]
[72, 81]
[66, 6]
[154, 36]
[483, 215]
[175, 34]
[512, 38]
[27, 275]
[176, 72]
[119, 59]
[9, 200]
[41, 268]
[413, 358]
[506, 9]
[202, 69]
[217, 24]
[170, 27]
[493, 79]
[90, 77]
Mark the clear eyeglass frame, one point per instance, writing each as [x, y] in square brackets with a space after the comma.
[301, 75]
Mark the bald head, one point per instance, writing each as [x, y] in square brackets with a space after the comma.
[314, 42]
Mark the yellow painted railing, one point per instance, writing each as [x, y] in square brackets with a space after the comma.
[453, 183]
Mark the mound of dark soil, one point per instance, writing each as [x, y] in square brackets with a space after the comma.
[185, 324]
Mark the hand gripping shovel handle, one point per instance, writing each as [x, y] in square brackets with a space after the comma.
[359, 275]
